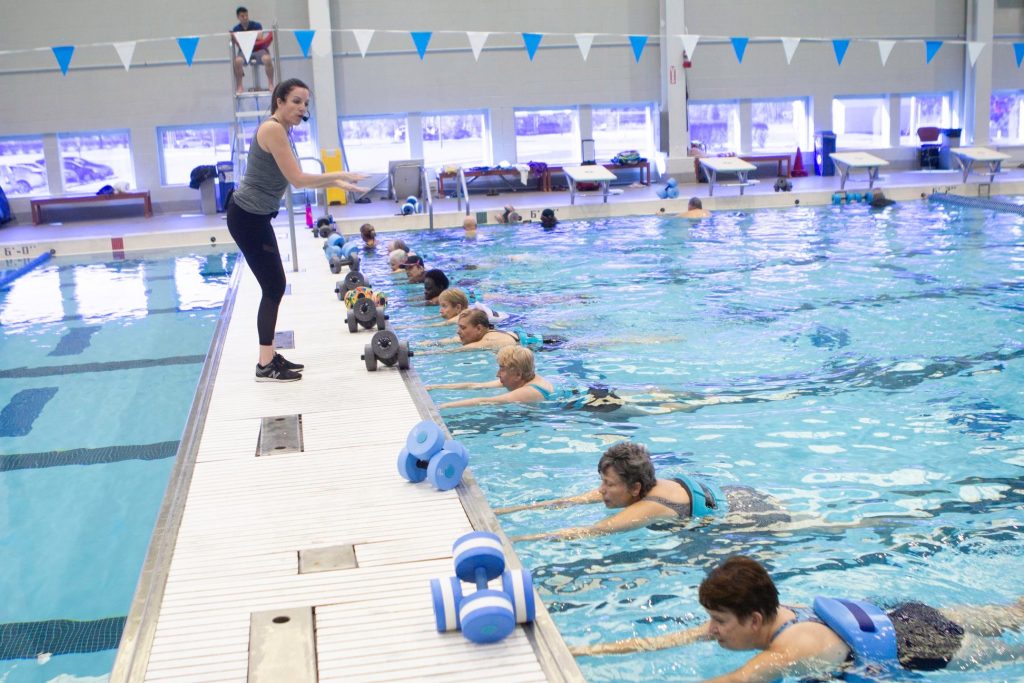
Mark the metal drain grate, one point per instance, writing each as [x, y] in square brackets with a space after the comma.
[282, 646]
[278, 435]
[327, 559]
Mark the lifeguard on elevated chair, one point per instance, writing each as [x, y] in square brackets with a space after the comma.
[260, 51]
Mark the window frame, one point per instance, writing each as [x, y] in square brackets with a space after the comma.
[349, 146]
[575, 147]
[160, 130]
[486, 146]
[650, 147]
[734, 126]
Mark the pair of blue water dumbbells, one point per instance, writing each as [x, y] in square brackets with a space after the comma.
[429, 454]
[339, 253]
[488, 614]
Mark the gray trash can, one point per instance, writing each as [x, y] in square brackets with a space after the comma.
[208, 196]
[950, 139]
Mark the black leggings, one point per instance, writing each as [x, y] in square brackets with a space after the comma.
[255, 238]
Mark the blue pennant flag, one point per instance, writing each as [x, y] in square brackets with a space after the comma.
[1018, 51]
[840, 46]
[304, 38]
[63, 54]
[739, 46]
[638, 43]
[931, 47]
[532, 42]
[422, 39]
[188, 48]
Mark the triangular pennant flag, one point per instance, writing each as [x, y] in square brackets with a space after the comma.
[1018, 52]
[789, 45]
[188, 48]
[476, 41]
[974, 51]
[689, 44]
[125, 52]
[363, 37]
[304, 37]
[421, 39]
[63, 54]
[884, 49]
[839, 46]
[638, 43]
[930, 48]
[585, 40]
[739, 46]
[245, 40]
[532, 41]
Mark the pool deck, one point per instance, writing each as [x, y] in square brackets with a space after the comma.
[226, 551]
[21, 238]
[243, 521]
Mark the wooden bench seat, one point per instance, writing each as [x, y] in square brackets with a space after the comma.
[138, 195]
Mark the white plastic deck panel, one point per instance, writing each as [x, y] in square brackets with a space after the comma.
[246, 517]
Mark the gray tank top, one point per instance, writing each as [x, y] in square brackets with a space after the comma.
[263, 186]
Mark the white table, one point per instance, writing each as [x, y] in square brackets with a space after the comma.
[714, 165]
[588, 174]
[968, 156]
[847, 161]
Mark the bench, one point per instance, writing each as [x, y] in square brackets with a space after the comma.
[779, 159]
[143, 195]
[473, 175]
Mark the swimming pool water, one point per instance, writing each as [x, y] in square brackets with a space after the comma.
[863, 366]
[99, 363]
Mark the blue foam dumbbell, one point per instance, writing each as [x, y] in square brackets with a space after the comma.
[429, 454]
[487, 614]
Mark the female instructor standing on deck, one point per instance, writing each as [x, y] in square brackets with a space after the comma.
[271, 166]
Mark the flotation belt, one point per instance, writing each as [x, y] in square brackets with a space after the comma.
[865, 629]
[705, 499]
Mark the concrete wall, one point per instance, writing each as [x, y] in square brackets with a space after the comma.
[160, 90]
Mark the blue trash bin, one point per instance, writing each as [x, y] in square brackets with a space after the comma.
[824, 145]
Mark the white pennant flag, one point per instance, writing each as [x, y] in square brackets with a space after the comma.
[974, 51]
[789, 45]
[363, 38]
[477, 40]
[126, 50]
[884, 48]
[245, 40]
[689, 44]
[585, 40]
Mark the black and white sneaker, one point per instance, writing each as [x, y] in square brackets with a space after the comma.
[287, 364]
[275, 372]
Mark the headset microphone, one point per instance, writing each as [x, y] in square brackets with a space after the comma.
[305, 117]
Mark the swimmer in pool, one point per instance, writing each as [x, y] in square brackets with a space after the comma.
[695, 209]
[629, 484]
[829, 639]
[476, 332]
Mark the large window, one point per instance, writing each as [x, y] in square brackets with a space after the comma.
[860, 122]
[372, 141]
[23, 167]
[1006, 117]
[96, 158]
[182, 148]
[548, 135]
[458, 138]
[917, 111]
[778, 125]
[714, 126]
[619, 128]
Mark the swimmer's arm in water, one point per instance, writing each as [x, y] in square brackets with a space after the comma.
[628, 645]
[635, 516]
[493, 384]
[525, 394]
[582, 499]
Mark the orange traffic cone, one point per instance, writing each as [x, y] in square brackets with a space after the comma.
[798, 166]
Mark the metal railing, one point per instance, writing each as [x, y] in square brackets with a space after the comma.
[427, 196]
[462, 189]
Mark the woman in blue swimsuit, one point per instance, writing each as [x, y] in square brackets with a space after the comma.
[516, 373]
[628, 482]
